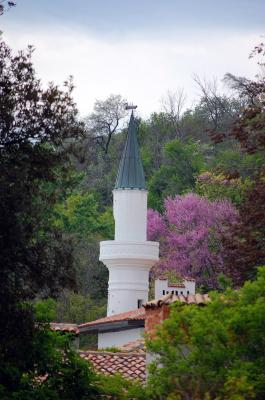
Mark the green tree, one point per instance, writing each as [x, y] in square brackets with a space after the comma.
[233, 161]
[220, 186]
[35, 257]
[78, 215]
[153, 135]
[195, 124]
[79, 308]
[80, 218]
[58, 372]
[73, 307]
[212, 352]
[182, 163]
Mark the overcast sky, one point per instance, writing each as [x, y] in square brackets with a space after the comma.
[139, 48]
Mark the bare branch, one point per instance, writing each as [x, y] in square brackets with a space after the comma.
[173, 104]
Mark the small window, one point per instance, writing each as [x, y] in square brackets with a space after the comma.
[140, 303]
[188, 292]
[176, 292]
[164, 292]
[181, 292]
[172, 292]
[167, 292]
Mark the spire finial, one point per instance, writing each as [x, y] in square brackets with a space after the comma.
[131, 106]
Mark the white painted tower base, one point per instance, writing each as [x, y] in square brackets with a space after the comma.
[129, 264]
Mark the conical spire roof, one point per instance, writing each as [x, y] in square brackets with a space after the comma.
[131, 173]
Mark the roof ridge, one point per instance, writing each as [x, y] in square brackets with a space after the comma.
[114, 353]
[196, 298]
[133, 314]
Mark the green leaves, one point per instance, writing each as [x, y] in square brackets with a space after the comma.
[218, 186]
[78, 214]
[181, 164]
[216, 351]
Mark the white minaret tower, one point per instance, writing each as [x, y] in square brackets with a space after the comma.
[130, 256]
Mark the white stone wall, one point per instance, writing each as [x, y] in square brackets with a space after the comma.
[162, 288]
[116, 339]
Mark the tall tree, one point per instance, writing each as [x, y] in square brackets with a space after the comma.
[247, 249]
[220, 109]
[248, 126]
[105, 120]
[35, 258]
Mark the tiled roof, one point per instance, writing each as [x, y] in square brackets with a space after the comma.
[137, 346]
[64, 327]
[186, 278]
[129, 365]
[139, 314]
[134, 315]
[179, 283]
[171, 298]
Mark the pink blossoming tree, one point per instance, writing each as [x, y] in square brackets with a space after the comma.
[190, 233]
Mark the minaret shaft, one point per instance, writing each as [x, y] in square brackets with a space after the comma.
[130, 212]
[130, 256]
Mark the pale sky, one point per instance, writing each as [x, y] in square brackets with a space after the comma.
[139, 48]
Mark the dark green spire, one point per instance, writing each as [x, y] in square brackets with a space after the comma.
[131, 173]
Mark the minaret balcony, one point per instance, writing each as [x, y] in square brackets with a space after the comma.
[113, 252]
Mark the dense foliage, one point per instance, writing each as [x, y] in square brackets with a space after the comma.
[246, 250]
[219, 186]
[182, 162]
[216, 351]
[35, 257]
[190, 233]
[54, 371]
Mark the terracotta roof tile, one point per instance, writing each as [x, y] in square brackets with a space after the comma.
[137, 346]
[138, 314]
[184, 278]
[64, 327]
[189, 279]
[129, 365]
[171, 298]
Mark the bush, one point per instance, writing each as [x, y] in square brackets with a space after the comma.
[212, 352]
